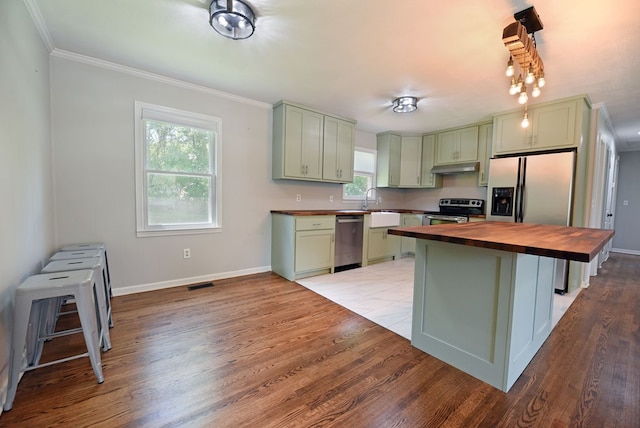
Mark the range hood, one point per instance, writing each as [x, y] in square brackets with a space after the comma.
[456, 168]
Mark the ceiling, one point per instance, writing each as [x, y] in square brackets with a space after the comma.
[351, 58]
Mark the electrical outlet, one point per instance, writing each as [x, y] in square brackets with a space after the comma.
[298, 197]
[186, 253]
[330, 198]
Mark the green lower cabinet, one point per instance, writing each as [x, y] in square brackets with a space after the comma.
[302, 246]
[382, 246]
[408, 245]
[314, 250]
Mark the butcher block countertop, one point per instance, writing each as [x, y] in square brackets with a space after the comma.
[357, 212]
[561, 242]
[345, 212]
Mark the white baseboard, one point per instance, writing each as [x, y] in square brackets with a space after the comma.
[623, 251]
[141, 288]
[4, 384]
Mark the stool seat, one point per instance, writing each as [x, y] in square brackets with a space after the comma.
[102, 294]
[80, 254]
[93, 246]
[80, 285]
[83, 254]
[81, 247]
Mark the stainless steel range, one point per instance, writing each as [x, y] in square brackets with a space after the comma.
[454, 211]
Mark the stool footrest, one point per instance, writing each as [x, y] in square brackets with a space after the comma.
[61, 333]
[61, 360]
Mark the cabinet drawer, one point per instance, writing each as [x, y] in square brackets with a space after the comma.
[315, 223]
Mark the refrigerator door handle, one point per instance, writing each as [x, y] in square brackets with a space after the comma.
[523, 183]
[517, 196]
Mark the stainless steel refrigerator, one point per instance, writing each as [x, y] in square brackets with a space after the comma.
[534, 189]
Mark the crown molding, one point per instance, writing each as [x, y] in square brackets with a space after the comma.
[71, 56]
[38, 21]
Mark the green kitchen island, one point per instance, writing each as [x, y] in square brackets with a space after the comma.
[483, 292]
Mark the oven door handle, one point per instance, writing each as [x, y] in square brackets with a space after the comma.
[457, 219]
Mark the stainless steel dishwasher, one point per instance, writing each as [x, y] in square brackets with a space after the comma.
[348, 252]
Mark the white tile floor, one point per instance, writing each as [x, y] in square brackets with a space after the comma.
[383, 293]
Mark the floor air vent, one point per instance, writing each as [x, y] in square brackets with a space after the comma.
[199, 286]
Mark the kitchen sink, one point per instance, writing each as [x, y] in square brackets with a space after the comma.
[385, 219]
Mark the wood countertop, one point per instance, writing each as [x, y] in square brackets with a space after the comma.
[562, 242]
[348, 212]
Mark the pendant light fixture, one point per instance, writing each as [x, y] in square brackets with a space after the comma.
[232, 18]
[405, 104]
[523, 49]
[525, 119]
[510, 71]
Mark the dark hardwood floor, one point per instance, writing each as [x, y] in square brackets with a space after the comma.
[260, 351]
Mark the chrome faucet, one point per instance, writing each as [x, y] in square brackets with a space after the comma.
[365, 205]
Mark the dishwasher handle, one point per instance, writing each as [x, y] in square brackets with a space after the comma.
[349, 219]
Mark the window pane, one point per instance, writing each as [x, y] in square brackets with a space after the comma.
[177, 148]
[177, 162]
[358, 187]
[178, 199]
[364, 161]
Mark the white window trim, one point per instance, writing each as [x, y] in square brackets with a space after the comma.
[181, 117]
[356, 198]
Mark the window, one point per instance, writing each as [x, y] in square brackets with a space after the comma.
[364, 175]
[177, 164]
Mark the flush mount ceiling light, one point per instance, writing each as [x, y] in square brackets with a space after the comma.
[232, 18]
[523, 50]
[405, 104]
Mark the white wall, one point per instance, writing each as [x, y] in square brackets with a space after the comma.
[93, 130]
[453, 186]
[627, 237]
[602, 163]
[26, 226]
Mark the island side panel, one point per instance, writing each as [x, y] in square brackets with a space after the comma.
[484, 311]
[282, 245]
[532, 314]
[461, 310]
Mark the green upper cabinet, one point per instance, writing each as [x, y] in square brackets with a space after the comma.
[309, 145]
[401, 161]
[388, 160]
[485, 141]
[410, 161]
[297, 139]
[339, 144]
[457, 146]
[428, 179]
[555, 125]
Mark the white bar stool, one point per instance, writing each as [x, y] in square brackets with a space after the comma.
[79, 284]
[92, 246]
[104, 306]
[83, 254]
